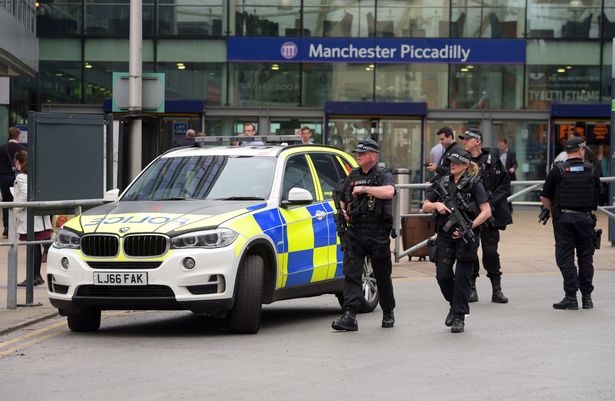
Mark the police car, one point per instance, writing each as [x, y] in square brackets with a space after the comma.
[217, 230]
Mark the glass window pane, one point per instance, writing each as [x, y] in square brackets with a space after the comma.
[297, 175]
[549, 84]
[328, 170]
[418, 19]
[563, 18]
[197, 50]
[191, 18]
[607, 71]
[322, 82]
[112, 18]
[264, 18]
[486, 86]
[202, 81]
[488, 19]
[292, 126]
[264, 84]
[98, 78]
[59, 82]
[59, 18]
[338, 18]
[413, 83]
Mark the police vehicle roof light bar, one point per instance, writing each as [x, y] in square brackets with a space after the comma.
[269, 139]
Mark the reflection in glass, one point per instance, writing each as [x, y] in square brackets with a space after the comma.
[191, 18]
[412, 83]
[264, 83]
[112, 18]
[417, 19]
[338, 18]
[266, 18]
[563, 19]
[491, 19]
[202, 81]
[547, 84]
[324, 82]
[98, 79]
[59, 18]
[486, 86]
[59, 82]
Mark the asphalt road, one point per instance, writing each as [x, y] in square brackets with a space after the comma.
[524, 350]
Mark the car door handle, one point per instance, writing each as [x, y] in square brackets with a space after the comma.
[320, 215]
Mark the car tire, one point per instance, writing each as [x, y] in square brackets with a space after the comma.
[89, 320]
[245, 317]
[370, 298]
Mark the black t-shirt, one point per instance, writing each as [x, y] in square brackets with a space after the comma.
[6, 165]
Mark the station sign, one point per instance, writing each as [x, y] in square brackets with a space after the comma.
[376, 50]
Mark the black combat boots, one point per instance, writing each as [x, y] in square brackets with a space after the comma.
[458, 323]
[348, 322]
[388, 319]
[569, 302]
[448, 322]
[587, 302]
[497, 297]
[473, 294]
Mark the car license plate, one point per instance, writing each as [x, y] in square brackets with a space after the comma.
[120, 278]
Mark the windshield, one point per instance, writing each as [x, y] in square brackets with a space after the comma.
[205, 177]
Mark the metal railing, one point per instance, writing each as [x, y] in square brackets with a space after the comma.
[531, 186]
[13, 242]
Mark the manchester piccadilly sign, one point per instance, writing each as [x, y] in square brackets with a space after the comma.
[376, 50]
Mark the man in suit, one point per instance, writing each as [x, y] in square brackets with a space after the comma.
[508, 159]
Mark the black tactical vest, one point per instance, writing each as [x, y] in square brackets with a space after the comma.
[464, 187]
[577, 188]
[367, 209]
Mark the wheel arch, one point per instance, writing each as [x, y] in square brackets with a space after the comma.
[264, 249]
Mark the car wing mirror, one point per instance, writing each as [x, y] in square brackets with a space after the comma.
[111, 195]
[298, 196]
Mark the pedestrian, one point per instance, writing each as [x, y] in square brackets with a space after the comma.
[496, 182]
[366, 205]
[42, 224]
[446, 136]
[571, 193]
[455, 285]
[249, 129]
[306, 135]
[7, 172]
[508, 158]
[189, 137]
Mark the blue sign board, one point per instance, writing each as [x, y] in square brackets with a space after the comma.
[376, 50]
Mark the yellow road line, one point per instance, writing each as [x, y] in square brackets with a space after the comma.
[31, 334]
[28, 344]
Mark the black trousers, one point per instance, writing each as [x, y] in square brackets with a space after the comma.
[575, 231]
[375, 243]
[455, 285]
[6, 182]
[489, 238]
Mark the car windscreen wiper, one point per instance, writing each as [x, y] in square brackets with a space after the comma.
[241, 198]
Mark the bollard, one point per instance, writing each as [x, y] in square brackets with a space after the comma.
[402, 176]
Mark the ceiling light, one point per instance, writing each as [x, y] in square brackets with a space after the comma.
[464, 69]
[88, 66]
[275, 67]
[470, 67]
[569, 67]
[181, 67]
[561, 70]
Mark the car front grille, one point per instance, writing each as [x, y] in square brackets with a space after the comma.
[145, 245]
[125, 291]
[124, 265]
[100, 245]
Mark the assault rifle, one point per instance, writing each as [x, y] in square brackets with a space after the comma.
[341, 225]
[458, 219]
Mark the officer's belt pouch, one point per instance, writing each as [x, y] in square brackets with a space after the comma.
[432, 244]
[597, 238]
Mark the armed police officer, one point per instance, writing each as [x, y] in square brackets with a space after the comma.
[366, 205]
[496, 182]
[446, 136]
[458, 194]
[571, 192]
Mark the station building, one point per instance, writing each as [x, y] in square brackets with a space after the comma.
[530, 71]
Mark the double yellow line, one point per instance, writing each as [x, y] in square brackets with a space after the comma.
[9, 347]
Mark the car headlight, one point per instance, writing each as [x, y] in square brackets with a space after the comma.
[218, 238]
[67, 239]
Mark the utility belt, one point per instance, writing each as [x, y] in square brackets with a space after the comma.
[572, 211]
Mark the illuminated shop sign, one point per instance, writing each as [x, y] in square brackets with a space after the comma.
[377, 50]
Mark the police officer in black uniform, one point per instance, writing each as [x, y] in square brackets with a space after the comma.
[571, 192]
[446, 136]
[496, 182]
[366, 204]
[455, 286]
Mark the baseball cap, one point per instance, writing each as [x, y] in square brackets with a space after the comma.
[367, 145]
[472, 133]
[574, 143]
[460, 157]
